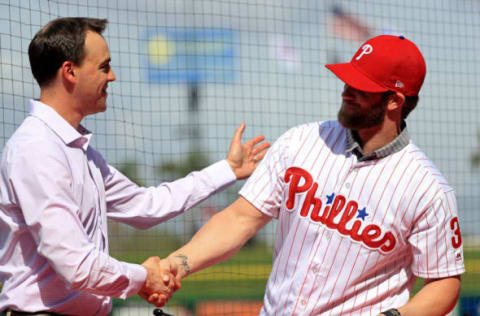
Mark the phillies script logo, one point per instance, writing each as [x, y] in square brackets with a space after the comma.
[351, 221]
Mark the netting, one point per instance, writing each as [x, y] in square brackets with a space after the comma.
[189, 72]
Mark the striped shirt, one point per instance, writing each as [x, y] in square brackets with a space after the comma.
[352, 235]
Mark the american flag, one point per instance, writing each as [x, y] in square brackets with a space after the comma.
[347, 26]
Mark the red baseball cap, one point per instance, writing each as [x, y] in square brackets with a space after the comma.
[384, 63]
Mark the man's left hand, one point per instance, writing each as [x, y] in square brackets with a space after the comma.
[243, 158]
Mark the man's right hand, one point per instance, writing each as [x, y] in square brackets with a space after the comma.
[161, 281]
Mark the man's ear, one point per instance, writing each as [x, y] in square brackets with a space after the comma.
[68, 72]
[396, 102]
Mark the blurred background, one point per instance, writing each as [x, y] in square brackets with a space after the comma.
[190, 71]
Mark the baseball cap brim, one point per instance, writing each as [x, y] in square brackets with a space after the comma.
[352, 76]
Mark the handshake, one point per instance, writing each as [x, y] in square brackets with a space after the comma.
[163, 279]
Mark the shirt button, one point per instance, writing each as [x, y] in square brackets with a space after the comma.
[304, 302]
[315, 270]
[328, 235]
[347, 185]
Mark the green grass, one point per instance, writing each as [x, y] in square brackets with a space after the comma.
[229, 282]
[244, 276]
[471, 253]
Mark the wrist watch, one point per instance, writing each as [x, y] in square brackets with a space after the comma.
[391, 312]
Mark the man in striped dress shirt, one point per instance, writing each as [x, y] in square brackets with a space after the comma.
[57, 191]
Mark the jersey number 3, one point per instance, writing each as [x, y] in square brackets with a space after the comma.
[457, 237]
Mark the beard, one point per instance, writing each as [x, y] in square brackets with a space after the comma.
[354, 117]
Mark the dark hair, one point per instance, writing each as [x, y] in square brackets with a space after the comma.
[409, 105]
[60, 40]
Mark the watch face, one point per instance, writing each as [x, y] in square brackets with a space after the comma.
[392, 312]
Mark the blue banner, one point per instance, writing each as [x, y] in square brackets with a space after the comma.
[180, 55]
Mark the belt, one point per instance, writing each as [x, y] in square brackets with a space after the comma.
[9, 312]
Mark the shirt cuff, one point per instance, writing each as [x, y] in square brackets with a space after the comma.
[221, 174]
[138, 275]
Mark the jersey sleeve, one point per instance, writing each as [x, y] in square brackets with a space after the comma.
[436, 240]
[264, 188]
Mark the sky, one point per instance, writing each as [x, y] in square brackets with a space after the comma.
[276, 78]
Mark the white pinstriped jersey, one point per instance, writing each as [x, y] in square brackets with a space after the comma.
[351, 235]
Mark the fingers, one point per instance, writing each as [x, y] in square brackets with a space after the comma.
[243, 158]
[158, 300]
[161, 281]
[254, 141]
[151, 262]
[237, 136]
[260, 150]
[177, 283]
[170, 277]
[167, 276]
[169, 266]
[166, 279]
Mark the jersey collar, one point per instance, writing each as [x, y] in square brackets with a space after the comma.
[400, 142]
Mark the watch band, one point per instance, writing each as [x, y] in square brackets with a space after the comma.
[391, 312]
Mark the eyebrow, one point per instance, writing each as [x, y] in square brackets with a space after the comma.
[106, 61]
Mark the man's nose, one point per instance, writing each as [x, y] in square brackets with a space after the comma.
[111, 76]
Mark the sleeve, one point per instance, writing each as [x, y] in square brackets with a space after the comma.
[265, 187]
[42, 188]
[436, 240]
[146, 207]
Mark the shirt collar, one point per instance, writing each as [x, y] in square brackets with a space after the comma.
[70, 136]
[402, 140]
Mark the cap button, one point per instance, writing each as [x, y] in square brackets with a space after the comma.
[401, 37]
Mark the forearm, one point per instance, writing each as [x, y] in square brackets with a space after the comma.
[61, 239]
[100, 274]
[437, 297]
[147, 207]
[221, 237]
[215, 242]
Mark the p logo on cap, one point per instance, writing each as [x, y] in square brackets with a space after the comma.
[394, 63]
[366, 49]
